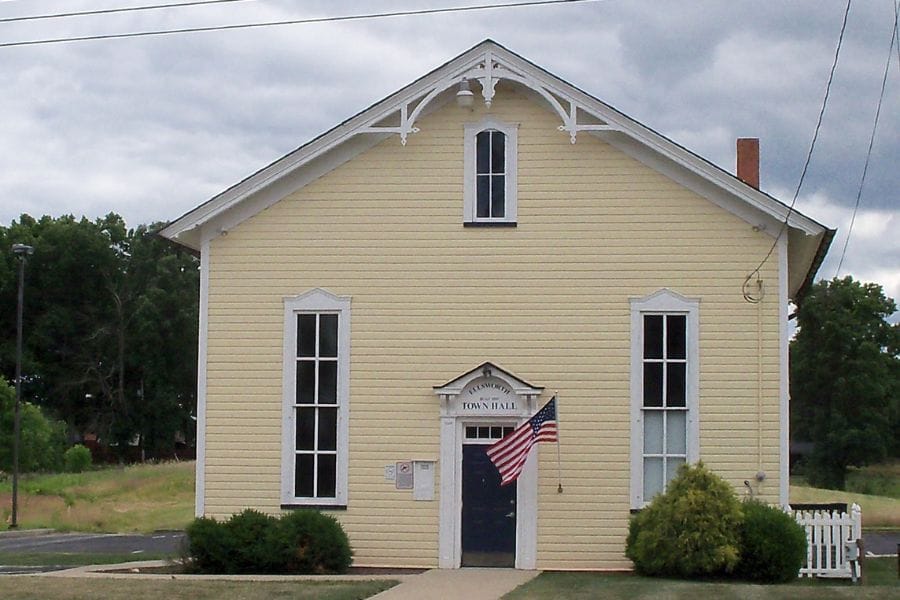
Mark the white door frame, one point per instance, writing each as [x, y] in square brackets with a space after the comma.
[517, 405]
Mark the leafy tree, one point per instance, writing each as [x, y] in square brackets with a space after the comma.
[70, 334]
[111, 327]
[162, 328]
[845, 378]
[41, 440]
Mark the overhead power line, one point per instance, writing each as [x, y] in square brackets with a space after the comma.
[862, 181]
[308, 21]
[108, 11]
[897, 31]
[748, 295]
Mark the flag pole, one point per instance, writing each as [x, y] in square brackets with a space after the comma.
[559, 489]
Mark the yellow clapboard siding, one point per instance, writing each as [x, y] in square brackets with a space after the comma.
[547, 300]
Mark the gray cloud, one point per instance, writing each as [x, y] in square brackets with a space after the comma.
[151, 127]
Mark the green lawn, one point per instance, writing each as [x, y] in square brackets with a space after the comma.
[59, 588]
[138, 498]
[881, 584]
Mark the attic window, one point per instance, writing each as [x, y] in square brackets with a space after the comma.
[490, 173]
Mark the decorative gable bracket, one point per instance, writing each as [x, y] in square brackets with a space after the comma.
[488, 69]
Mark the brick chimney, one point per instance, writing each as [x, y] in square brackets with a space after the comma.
[748, 161]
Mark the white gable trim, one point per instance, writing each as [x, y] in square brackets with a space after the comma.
[487, 63]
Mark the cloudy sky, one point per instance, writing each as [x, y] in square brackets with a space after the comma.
[150, 127]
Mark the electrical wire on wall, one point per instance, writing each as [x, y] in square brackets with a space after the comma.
[749, 283]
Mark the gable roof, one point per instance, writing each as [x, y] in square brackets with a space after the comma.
[579, 112]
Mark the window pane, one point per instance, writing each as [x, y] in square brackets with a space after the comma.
[483, 152]
[653, 334]
[303, 476]
[328, 382]
[471, 432]
[653, 477]
[653, 431]
[675, 384]
[327, 429]
[327, 475]
[306, 381]
[498, 195]
[306, 428]
[496, 433]
[498, 152]
[676, 432]
[672, 465]
[484, 196]
[653, 384]
[328, 334]
[676, 327]
[306, 335]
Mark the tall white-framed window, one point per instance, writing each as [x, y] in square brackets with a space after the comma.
[490, 178]
[315, 413]
[665, 362]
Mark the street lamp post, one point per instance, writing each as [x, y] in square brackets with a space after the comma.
[22, 251]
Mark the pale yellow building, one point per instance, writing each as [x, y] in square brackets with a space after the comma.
[384, 302]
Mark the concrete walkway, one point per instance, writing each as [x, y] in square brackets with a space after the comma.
[458, 584]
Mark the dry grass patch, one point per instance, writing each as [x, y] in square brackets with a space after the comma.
[877, 511]
[137, 498]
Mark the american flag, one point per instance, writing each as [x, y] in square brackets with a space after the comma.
[510, 453]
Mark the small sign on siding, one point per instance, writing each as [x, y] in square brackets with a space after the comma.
[423, 471]
[404, 476]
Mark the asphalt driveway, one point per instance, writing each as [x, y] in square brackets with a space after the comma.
[167, 542]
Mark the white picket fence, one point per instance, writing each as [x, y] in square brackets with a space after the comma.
[829, 536]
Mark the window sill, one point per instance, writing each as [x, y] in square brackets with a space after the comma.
[490, 224]
[311, 506]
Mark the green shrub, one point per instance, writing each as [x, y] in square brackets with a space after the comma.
[208, 546]
[772, 544]
[77, 459]
[313, 543]
[250, 535]
[305, 541]
[689, 531]
[41, 441]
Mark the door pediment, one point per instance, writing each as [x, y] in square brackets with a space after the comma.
[487, 391]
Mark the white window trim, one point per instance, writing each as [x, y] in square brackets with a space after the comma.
[511, 130]
[315, 301]
[669, 302]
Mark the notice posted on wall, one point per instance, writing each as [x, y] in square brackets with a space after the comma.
[423, 476]
[404, 475]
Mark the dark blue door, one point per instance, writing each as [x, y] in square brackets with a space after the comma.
[488, 512]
